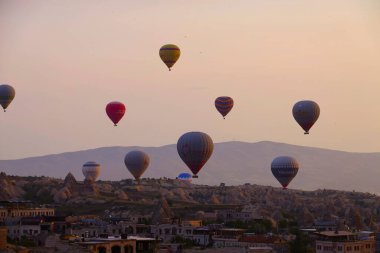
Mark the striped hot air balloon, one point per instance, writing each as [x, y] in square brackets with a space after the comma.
[7, 94]
[284, 169]
[91, 171]
[224, 105]
[170, 54]
[306, 113]
[195, 148]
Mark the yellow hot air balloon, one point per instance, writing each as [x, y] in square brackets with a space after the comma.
[169, 54]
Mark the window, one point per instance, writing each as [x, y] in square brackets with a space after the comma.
[102, 250]
[340, 248]
[116, 249]
[128, 249]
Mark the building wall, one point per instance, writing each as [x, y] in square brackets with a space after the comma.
[368, 246]
[3, 238]
[17, 231]
[3, 214]
[25, 212]
[108, 246]
[233, 215]
[377, 238]
[110, 229]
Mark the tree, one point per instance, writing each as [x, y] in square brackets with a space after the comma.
[301, 244]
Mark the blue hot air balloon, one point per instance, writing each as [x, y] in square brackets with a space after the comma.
[184, 176]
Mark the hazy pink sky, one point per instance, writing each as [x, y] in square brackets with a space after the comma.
[68, 59]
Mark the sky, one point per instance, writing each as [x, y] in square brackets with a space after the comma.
[68, 59]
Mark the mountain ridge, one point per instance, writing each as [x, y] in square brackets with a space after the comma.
[161, 146]
[233, 163]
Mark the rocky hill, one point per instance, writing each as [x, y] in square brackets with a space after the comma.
[171, 197]
[234, 163]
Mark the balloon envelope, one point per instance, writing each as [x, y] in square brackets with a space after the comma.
[284, 169]
[306, 113]
[195, 148]
[91, 171]
[184, 176]
[115, 111]
[7, 94]
[170, 54]
[136, 162]
[224, 105]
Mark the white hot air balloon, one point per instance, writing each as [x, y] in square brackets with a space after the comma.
[91, 171]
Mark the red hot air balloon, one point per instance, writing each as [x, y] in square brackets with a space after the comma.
[115, 111]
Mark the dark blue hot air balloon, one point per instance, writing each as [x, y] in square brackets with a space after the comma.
[284, 169]
[7, 94]
[306, 113]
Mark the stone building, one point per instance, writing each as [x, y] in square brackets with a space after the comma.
[344, 242]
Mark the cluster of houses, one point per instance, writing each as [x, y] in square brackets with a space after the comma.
[90, 233]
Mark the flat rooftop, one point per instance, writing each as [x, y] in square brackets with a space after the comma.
[97, 240]
[334, 233]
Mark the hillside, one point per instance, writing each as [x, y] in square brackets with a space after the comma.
[160, 198]
[233, 163]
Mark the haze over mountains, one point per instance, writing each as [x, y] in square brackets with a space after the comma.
[232, 163]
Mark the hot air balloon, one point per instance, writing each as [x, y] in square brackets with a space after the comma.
[7, 94]
[284, 169]
[184, 176]
[195, 148]
[224, 105]
[136, 162]
[115, 111]
[91, 171]
[170, 54]
[306, 114]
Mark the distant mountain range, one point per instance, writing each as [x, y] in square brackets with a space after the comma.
[233, 163]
